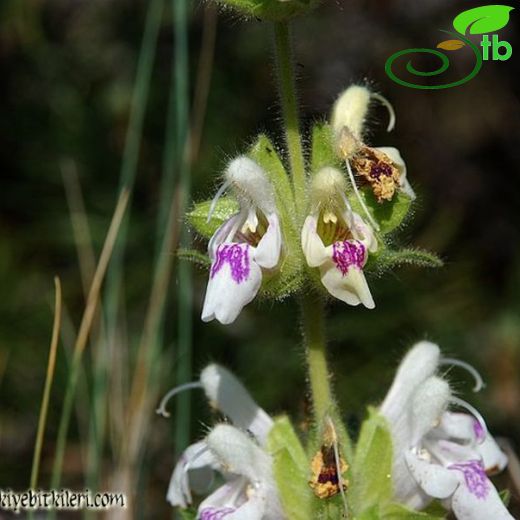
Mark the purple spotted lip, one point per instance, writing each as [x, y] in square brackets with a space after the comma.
[347, 254]
[212, 513]
[474, 476]
[237, 256]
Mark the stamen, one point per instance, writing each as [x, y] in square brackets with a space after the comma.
[358, 196]
[338, 465]
[251, 222]
[236, 226]
[330, 217]
[479, 382]
[473, 411]
[216, 198]
[161, 410]
[389, 107]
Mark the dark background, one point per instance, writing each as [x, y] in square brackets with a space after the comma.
[67, 70]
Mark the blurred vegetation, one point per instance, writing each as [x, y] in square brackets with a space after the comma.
[68, 69]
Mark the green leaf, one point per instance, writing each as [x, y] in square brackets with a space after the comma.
[323, 153]
[371, 513]
[330, 509]
[372, 465]
[188, 514]
[505, 496]
[198, 216]
[400, 512]
[282, 436]
[293, 488]
[388, 214]
[389, 259]
[194, 256]
[290, 467]
[482, 20]
[435, 509]
[264, 153]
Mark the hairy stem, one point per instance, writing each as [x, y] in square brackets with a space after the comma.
[289, 102]
[315, 348]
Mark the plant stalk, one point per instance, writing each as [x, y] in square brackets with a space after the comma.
[313, 321]
[289, 102]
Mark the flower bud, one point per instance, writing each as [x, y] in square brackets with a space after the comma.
[350, 110]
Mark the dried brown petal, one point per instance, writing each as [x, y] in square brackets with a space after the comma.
[378, 170]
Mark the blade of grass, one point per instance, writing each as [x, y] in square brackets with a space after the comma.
[115, 273]
[203, 80]
[83, 334]
[51, 364]
[4, 359]
[145, 385]
[87, 264]
[145, 382]
[131, 152]
[184, 294]
[79, 221]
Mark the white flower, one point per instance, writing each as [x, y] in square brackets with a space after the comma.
[244, 246]
[382, 167]
[337, 241]
[438, 453]
[249, 490]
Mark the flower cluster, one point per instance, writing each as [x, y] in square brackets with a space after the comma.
[266, 474]
[237, 452]
[260, 240]
[439, 453]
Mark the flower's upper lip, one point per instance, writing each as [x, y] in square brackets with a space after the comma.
[419, 363]
[250, 183]
[229, 449]
[225, 392]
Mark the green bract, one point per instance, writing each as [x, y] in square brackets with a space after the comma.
[271, 10]
[225, 208]
[290, 468]
[372, 465]
[369, 491]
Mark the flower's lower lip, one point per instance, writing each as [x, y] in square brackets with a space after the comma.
[216, 514]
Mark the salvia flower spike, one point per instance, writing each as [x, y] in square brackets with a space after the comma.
[259, 243]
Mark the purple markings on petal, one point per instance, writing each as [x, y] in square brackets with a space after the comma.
[347, 254]
[475, 477]
[478, 429]
[213, 513]
[237, 256]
